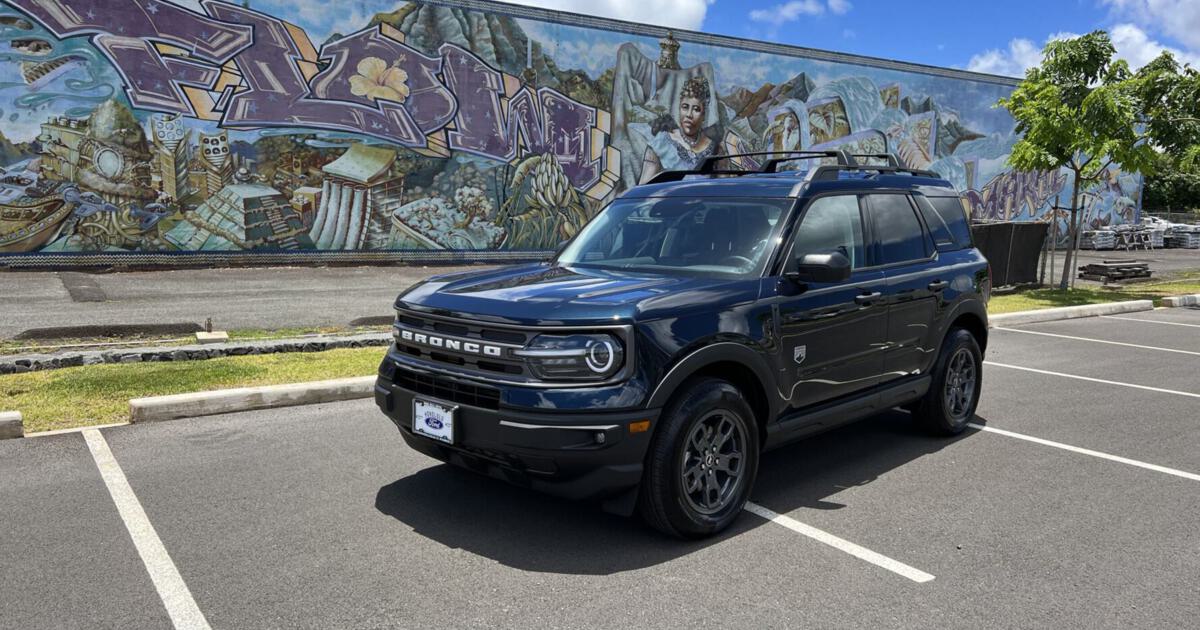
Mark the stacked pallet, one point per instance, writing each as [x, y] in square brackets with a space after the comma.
[1115, 271]
[1098, 239]
[1184, 236]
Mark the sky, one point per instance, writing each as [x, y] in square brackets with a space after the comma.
[999, 37]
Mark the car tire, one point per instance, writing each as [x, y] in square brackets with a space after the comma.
[957, 381]
[702, 461]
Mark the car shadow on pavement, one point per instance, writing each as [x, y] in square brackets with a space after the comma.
[523, 529]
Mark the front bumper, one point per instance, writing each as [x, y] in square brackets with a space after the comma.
[557, 453]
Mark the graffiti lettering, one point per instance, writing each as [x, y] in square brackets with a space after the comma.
[133, 36]
[545, 122]
[1009, 194]
[278, 93]
[176, 61]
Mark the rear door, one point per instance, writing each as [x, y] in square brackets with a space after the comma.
[905, 253]
[831, 334]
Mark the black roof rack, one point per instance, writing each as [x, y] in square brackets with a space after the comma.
[827, 173]
[845, 162]
[708, 166]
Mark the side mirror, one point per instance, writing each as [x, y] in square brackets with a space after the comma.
[828, 268]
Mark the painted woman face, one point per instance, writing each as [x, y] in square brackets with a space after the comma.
[691, 116]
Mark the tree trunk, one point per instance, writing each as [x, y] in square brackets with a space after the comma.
[1072, 231]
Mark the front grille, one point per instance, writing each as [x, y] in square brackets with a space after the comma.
[505, 364]
[447, 389]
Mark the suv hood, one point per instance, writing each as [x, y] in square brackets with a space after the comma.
[541, 294]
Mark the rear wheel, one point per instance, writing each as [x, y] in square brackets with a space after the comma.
[702, 461]
[957, 380]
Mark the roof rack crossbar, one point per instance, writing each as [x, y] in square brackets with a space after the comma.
[843, 159]
[830, 172]
[710, 162]
[708, 166]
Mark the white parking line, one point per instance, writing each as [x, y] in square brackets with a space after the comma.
[1085, 451]
[862, 553]
[74, 430]
[1149, 321]
[1111, 343]
[181, 607]
[1093, 380]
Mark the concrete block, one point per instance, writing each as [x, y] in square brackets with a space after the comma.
[249, 398]
[1182, 300]
[216, 336]
[1069, 312]
[11, 425]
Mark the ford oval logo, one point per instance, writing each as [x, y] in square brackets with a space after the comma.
[433, 423]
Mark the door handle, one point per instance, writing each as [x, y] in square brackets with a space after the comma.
[866, 299]
[938, 285]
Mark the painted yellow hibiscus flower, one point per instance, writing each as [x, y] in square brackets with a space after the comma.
[375, 80]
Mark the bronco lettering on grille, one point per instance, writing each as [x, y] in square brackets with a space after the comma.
[448, 343]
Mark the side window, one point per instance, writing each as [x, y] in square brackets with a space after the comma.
[832, 224]
[897, 229]
[943, 239]
[955, 216]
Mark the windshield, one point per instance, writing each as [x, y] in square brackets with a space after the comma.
[674, 234]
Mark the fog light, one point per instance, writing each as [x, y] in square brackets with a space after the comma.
[600, 437]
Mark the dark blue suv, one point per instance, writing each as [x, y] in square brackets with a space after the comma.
[695, 322]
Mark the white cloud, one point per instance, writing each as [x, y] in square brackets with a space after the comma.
[793, 10]
[1131, 42]
[1179, 19]
[1021, 54]
[788, 12]
[685, 14]
[1136, 47]
[839, 7]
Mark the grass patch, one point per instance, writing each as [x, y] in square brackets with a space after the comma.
[99, 394]
[1035, 299]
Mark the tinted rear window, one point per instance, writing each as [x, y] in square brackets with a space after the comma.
[897, 229]
[947, 220]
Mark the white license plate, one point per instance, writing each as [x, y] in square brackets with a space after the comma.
[433, 420]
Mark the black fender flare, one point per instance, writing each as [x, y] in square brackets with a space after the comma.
[969, 307]
[714, 353]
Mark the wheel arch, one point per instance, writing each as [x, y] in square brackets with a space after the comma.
[742, 366]
[971, 316]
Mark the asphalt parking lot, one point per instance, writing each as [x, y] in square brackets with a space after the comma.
[1073, 503]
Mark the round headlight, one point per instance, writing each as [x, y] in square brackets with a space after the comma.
[600, 356]
[576, 357]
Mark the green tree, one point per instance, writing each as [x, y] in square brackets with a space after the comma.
[1174, 186]
[1085, 111]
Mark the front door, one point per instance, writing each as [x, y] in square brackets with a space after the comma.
[831, 336]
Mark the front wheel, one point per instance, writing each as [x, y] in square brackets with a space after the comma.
[702, 461]
[957, 380]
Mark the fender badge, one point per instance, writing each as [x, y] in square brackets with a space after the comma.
[800, 353]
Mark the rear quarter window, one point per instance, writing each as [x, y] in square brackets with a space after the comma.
[947, 221]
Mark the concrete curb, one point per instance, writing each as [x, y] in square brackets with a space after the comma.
[248, 398]
[1069, 312]
[11, 425]
[17, 364]
[1182, 300]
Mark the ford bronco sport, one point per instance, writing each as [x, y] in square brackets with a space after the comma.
[695, 322]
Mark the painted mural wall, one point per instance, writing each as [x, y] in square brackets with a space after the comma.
[202, 125]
